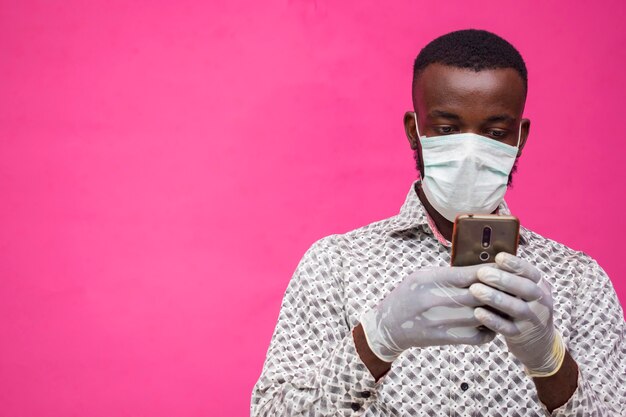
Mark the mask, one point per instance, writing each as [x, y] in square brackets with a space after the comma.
[465, 172]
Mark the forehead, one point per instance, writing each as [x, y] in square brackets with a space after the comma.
[465, 90]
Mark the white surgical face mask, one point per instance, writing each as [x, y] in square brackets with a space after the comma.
[465, 172]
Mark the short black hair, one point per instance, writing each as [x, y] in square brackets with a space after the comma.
[471, 48]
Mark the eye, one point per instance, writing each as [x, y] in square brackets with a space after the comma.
[496, 133]
[445, 130]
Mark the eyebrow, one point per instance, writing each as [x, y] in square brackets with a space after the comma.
[451, 116]
[444, 114]
[500, 118]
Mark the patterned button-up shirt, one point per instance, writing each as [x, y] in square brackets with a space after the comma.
[312, 367]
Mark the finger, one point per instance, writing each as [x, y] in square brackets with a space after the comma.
[518, 266]
[454, 295]
[470, 335]
[510, 283]
[514, 307]
[450, 316]
[495, 322]
[459, 276]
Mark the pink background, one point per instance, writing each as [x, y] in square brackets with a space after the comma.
[165, 165]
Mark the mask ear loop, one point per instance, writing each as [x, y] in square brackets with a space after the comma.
[417, 129]
[419, 137]
[519, 135]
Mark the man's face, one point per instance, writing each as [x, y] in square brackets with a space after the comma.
[451, 100]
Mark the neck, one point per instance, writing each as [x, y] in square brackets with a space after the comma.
[444, 225]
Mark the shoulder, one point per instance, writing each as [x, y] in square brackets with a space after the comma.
[578, 281]
[362, 236]
[570, 270]
[354, 242]
[549, 251]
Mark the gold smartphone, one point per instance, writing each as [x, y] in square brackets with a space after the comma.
[478, 238]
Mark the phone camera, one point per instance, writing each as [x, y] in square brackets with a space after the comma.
[486, 242]
[484, 256]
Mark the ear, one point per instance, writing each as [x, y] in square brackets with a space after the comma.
[410, 129]
[411, 134]
[525, 127]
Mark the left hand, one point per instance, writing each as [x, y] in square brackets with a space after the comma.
[529, 330]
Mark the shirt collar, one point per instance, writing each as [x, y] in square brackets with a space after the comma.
[413, 215]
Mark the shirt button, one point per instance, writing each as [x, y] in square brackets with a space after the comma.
[355, 406]
[366, 394]
[464, 386]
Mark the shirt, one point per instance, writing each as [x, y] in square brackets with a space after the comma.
[312, 367]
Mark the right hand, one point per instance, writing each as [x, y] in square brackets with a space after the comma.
[429, 307]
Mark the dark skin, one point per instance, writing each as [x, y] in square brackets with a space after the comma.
[446, 102]
[490, 103]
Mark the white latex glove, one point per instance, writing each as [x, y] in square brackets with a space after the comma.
[429, 307]
[529, 330]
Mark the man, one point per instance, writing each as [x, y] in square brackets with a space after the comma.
[376, 323]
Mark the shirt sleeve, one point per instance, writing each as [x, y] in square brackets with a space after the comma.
[597, 345]
[312, 367]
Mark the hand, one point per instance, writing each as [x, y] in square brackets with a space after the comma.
[528, 330]
[429, 307]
